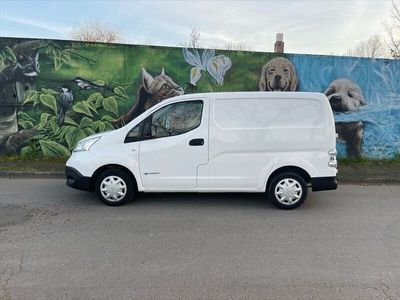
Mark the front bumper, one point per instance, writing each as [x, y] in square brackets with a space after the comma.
[76, 180]
[324, 183]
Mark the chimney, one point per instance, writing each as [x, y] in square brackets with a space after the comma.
[279, 44]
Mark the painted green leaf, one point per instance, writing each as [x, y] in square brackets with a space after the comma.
[73, 136]
[99, 102]
[66, 58]
[91, 106]
[39, 136]
[95, 97]
[10, 54]
[88, 131]
[36, 101]
[81, 108]
[49, 101]
[95, 125]
[108, 126]
[107, 118]
[68, 120]
[53, 149]
[27, 151]
[56, 52]
[49, 91]
[32, 96]
[25, 124]
[120, 91]
[24, 116]
[99, 82]
[57, 63]
[85, 122]
[61, 132]
[102, 126]
[54, 124]
[110, 104]
[43, 120]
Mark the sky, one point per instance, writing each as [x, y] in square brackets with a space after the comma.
[315, 27]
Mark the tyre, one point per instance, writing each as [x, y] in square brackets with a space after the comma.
[288, 190]
[114, 187]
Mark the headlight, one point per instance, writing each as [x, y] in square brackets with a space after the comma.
[85, 145]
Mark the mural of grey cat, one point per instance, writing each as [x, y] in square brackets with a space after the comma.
[151, 92]
[26, 67]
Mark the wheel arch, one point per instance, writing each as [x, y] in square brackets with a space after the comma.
[101, 169]
[294, 169]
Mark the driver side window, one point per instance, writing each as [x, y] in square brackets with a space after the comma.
[176, 118]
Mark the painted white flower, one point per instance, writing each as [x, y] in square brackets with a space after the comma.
[216, 66]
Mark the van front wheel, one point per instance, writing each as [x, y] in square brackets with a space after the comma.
[114, 187]
[288, 190]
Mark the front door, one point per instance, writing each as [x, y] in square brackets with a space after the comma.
[175, 143]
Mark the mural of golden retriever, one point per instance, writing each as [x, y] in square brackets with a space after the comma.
[278, 74]
[345, 95]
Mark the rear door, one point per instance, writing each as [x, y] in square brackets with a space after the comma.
[175, 144]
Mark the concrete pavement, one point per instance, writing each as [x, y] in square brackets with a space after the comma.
[59, 243]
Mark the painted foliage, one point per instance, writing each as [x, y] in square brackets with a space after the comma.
[54, 93]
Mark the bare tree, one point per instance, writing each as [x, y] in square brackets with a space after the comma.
[393, 30]
[240, 46]
[95, 31]
[373, 47]
[194, 40]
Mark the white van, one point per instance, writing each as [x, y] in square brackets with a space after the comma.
[278, 143]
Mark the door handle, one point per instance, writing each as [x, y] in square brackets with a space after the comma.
[196, 142]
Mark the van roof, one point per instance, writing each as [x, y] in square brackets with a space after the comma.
[293, 95]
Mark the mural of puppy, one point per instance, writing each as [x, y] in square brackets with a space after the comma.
[345, 95]
[278, 74]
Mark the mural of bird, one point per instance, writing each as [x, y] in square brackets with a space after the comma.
[66, 99]
[88, 85]
[85, 84]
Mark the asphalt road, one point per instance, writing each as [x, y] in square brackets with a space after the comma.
[59, 243]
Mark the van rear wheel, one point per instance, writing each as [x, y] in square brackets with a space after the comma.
[288, 190]
[114, 187]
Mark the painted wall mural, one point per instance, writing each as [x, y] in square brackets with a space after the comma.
[54, 93]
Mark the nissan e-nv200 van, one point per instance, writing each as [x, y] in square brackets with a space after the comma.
[277, 143]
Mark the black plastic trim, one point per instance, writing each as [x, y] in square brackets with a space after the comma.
[76, 180]
[196, 142]
[324, 183]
